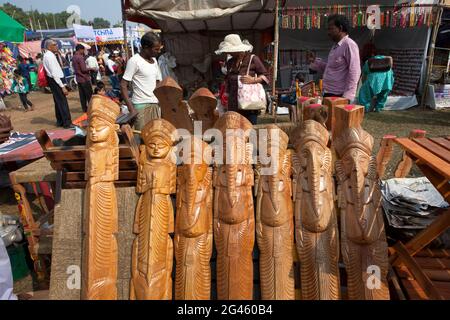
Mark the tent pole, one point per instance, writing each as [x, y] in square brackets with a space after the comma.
[124, 26]
[430, 57]
[275, 55]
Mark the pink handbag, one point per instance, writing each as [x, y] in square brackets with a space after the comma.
[251, 96]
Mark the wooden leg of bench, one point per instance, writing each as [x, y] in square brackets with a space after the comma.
[417, 272]
[405, 165]
[420, 241]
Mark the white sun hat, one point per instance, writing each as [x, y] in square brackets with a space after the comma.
[233, 43]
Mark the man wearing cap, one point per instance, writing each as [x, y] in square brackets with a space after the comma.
[83, 76]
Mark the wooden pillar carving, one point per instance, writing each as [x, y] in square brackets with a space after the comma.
[315, 216]
[204, 104]
[274, 219]
[363, 238]
[332, 103]
[193, 224]
[152, 255]
[234, 222]
[102, 169]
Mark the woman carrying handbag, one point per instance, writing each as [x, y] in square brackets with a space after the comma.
[245, 76]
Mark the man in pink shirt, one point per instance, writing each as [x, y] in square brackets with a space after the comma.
[342, 71]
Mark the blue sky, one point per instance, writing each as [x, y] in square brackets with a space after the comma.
[107, 9]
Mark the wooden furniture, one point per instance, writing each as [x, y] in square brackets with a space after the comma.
[424, 273]
[405, 165]
[69, 161]
[39, 240]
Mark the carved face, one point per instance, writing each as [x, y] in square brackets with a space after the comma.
[158, 148]
[355, 159]
[99, 130]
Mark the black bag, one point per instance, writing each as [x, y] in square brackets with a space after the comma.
[380, 65]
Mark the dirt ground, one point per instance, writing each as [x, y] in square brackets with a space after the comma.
[43, 116]
[398, 123]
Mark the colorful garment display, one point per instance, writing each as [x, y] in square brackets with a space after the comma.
[7, 66]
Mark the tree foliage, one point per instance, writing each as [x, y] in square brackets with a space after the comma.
[39, 20]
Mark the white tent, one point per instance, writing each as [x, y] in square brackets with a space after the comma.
[192, 30]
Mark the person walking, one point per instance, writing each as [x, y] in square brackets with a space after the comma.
[54, 75]
[92, 64]
[25, 68]
[342, 71]
[21, 87]
[83, 76]
[143, 73]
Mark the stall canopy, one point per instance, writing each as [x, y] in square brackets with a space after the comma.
[10, 29]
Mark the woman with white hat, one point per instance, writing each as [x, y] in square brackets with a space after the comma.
[240, 51]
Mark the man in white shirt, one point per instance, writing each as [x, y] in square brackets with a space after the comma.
[111, 73]
[59, 91]
[143, 72]
[92, 63]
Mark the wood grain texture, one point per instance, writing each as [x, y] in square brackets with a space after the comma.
[315, 216]
[101, 224]
[204, 104]
[193, 225]
[405, 165]
[152, 256]
[363, 240]
[234, 222]
[274, 220]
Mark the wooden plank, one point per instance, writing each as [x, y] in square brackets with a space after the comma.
[433, 263]
[385, 154]
[444, 288]
[405, 165]
[441, 166]
[421, 240]
[434, 253]
[436, 149]
[131, 141]
[437, 275]
[124, 165]
[396, 284]
[439, 182]
[415, 269]
[413, 290]
[442, 142]
[44, 140]
[79, 153]
[79, 176]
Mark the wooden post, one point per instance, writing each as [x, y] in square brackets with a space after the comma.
[331, 103]
[302, 103]
[406, 163]
[275, 54]
[385, 154]
[316, 112]
[347, 116]
[124, 26]
[430, 57]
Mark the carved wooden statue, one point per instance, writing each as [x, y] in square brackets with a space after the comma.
[363, 238]
[102, 169]
[204, 103]
[316, 227]
[274, 219]
[152, 255]
[234, 222]
[173, 108]
[193, 225]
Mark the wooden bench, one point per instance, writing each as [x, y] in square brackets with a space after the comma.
[424, 274]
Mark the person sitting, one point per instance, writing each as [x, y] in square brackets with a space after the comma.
[378, 81]
[101, 90]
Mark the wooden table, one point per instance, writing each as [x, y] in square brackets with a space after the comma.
[430, 272]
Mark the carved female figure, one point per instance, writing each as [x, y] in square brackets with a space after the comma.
[152, 255]
[274, 219]
[315, 215]
[193, 224]
[102, 169]
[234, 222]
[363, 238]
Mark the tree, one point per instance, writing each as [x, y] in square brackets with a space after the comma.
[100, 23]
[118, 25]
